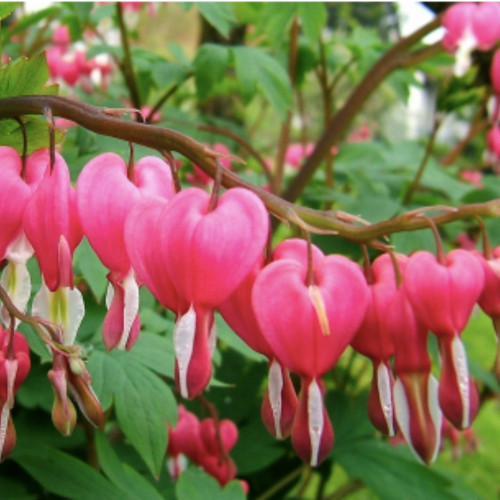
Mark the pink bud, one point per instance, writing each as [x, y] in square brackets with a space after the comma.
[185, 438]
[495, 72]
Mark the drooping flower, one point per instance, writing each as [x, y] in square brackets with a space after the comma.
[16, 188]
[14, 368]
[308, 324]
[280, 401]
[443, 295]
[374, 341]
[106, 193]
[415, 391]
[52, 227]
[470, 26]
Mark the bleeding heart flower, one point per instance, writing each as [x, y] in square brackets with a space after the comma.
[443, 296]
[308, 319]
[52, 226]
[16, 188]
[207, 255]
[415, 391]
[106, 193]
[374, 341]
[470, 26]
[280, 401]
[489, 300]
[14, 368]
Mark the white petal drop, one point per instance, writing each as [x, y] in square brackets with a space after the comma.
[16, 282]
[459, 357]
[435, 410]
[184, 333]
[110, 293]
[275, 387]
[76, 312]
[315, 419]
[11, 366]
[4, 422]
[20, 250]
[64, 307]
[402, 411]
[463, 55]
[212, 338]
[385, 396]
[130, 308]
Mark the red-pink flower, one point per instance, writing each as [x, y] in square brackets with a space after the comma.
[280, 401]
[51, 222]
[374, 341]
[308, 325]
[443, 295]
[14, 368]
[105, 196]
[470, 26]
[415, 391]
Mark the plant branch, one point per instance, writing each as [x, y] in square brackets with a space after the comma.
[338, 125]
[244, 144]
[418, 176]
[282, 483]
[103, 122]
[165, 97]
[126, 65]
[346, 490]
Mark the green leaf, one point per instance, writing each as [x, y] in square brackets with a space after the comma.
[6, 8]
[122, 475]
[91, 268]
[37, 131]
[143, 402]
[275, 20]
[24, 77]
[155, 351]
[33, 18]
[313, 17]
[255, 449]
[210, 68]
[219, 15]
[256, 67]
[166, 74]
[195, 484]
[66, 476]
[392, 472]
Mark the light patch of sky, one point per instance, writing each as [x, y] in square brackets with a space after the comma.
[413, 15]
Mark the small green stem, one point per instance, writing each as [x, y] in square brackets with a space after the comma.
[346, 490]
[127, 65]
[420, 171]
[277, 486]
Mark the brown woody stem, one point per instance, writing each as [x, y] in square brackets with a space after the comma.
[165, 139]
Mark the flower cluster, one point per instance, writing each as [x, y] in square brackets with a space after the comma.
[206, 443]
[198, 253]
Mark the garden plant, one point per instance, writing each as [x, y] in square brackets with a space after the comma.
[236, 260]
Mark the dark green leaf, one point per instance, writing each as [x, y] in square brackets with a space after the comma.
[220, 15]
[143, 402]
[275, 20]
[166, 74]
[392, 472]
[210, 68]
[255, 67]
[65, 475]
[195, 484]
[255, 449]
[91, 268]
[122, 475]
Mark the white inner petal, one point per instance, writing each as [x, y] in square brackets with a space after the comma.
[463, 59]
[315, 419]
[130, 309]
[16, 281]
[184, 333]
[212, 338]
[436, 414]
[275, 387]
[385, 396]
[4, 422]
[462, 372]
